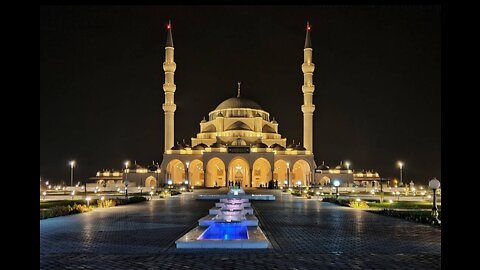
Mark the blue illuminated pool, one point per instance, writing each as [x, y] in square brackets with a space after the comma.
[225, 231]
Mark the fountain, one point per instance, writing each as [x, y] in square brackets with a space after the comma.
[230, 224]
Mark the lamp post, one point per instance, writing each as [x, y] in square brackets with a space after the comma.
[336, 183]
[434, 184]
[85, 189]
[288, 174]
[400, 164]
[126, 178]
[44, 195]
[348, 168]
[72, 164]
[186, 174]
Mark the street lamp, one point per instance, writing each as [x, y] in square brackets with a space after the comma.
[44, 194]
[434, 184]
[336, 183]
[72, 164]
[400, 164]
[73, 194]
[126, 178]
[288, 174]
[186, 173]
[151, 194]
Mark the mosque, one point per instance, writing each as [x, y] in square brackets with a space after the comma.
[238, 144]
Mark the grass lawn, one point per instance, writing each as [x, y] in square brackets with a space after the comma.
[50, 204]
[403, 205]
[417, 216]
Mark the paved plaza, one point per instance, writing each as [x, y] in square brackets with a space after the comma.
[305, 234]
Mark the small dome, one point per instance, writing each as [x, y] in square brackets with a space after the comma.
[277, 147]
[300, 148]
[217, 145]
[238, 102]
[273, 121]
[185, 145]
[203, 120]
[153, 167]
[323, 166]
[260, 145]
[341, 166]
[178, 146]
[200, 146]
[291, 146]
[135, 166]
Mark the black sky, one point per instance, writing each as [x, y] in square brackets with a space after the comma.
[377, 81]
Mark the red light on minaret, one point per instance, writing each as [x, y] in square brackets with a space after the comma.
[169, 26]
[308, 26]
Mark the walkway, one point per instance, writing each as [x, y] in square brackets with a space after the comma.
[305, 234]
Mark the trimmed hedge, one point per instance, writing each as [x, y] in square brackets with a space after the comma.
[64, 210]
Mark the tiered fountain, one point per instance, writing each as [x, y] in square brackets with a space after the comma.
[230, 224]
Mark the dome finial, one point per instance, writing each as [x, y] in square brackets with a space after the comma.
[238, 90]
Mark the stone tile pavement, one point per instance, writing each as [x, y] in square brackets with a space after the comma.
[305, 234]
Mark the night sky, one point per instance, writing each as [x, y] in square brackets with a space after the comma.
[377, 81]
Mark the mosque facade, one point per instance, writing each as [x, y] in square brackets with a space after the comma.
[239, 143]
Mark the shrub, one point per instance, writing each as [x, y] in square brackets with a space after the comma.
[358, 204]
[174, 192]
[330, 199]
[106, 203]
[80, 208]
[136, 199]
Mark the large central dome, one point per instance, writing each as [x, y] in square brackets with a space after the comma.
[238, 102]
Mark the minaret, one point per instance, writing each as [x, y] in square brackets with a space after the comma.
[308, 108]
[169, 87]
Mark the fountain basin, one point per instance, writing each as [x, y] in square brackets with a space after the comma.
[208, 220]
[256, 239]
[225, 231]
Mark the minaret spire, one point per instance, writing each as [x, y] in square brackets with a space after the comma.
[308, 107]
[169, 88]
[308, 40]
[238, 90]
[169, 35]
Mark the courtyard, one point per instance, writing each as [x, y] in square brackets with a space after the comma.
[304, 234]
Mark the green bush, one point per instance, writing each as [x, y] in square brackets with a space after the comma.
[106, 203]
[81, 208]
[417, 216]
[64, 210]
[174, 192]
[330, 199]
[136, 199]
[358, 204]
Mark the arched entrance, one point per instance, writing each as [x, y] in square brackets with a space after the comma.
[280, 172]
[325, 181]
[215, 173]
[301, 173]
[262, 172]
[239, 172]
[150, 182]
[176, 172]
[195, 173]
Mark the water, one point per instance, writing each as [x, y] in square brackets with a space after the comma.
[225, 231]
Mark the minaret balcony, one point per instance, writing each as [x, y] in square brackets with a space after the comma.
[169, 66]
[308, 67]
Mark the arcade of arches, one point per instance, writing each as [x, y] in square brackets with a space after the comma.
[238, 171]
